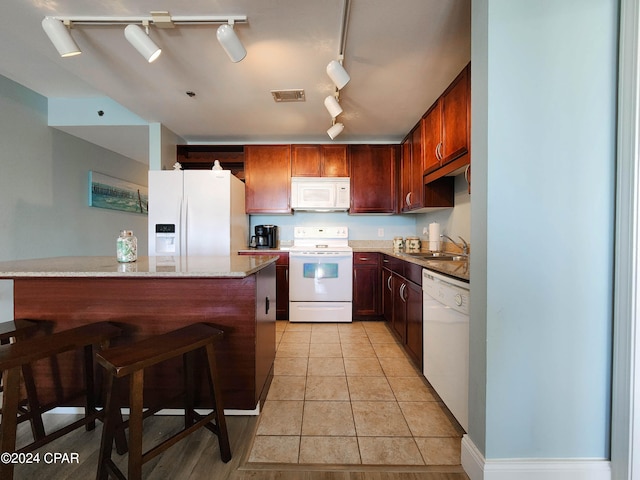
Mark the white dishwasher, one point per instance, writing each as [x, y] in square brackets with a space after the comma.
[446, 341]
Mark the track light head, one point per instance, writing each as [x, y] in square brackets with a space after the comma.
[230, 42]
[335, 130]
[338, 74]
[141, 41]
[333, 106]
[59, 35]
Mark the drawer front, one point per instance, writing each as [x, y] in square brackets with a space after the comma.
[366, 258]
[394, 264]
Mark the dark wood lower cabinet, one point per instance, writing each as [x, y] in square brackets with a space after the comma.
[402, 304]
[366, 286]
[387, 295]
[413, 344]
[282, 290]
[282, 280]
[399, 322]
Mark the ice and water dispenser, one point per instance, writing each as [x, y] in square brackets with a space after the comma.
[165, 238]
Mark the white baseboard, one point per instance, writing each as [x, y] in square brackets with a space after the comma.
[479, 468]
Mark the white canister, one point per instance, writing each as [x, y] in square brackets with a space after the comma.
[398, 243]
[127, 247]
[413, 244]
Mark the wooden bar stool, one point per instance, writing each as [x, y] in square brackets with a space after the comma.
[13, 359]
[131, 361]
[11, 332]
[17, 329]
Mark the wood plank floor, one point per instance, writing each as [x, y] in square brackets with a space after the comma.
[197, 457]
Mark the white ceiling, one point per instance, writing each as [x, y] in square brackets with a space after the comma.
[400, 54]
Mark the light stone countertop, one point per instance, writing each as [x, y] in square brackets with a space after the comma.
[456, 269]
[231, 266]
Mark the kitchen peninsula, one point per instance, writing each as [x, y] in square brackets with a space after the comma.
[154, 295]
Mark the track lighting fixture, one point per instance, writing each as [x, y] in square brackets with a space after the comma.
[339, 77]
[59, 35]
[335, 130]
[338, 74]
[333, 106]
[57, 31]
[230, 42]
[141, 41]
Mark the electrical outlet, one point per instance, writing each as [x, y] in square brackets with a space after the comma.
[381, 232]
[425, 230]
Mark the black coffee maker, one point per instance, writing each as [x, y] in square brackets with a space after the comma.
[266, 237]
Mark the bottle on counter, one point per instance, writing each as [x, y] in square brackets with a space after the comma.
[127, 247]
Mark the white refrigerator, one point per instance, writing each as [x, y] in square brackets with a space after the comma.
[196, 212]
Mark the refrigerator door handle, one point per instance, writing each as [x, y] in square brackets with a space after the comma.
[183, 225]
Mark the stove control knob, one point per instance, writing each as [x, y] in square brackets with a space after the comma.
[458, 299]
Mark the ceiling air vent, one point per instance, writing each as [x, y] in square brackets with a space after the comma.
[296, 95]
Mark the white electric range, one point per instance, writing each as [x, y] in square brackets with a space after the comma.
[320, 275]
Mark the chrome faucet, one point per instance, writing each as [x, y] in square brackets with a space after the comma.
[464, 247]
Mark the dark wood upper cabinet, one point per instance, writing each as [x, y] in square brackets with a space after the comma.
[405, 173]
[319, 161]
[373, 172]
[411, 171]
[456, 102]
[446, 126]
[432, 134]
[268, 178]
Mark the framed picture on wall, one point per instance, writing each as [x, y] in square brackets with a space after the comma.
[116, 194]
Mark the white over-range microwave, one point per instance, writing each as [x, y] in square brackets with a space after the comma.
[320, 194]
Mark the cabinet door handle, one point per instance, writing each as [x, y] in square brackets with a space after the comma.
[266, 309]
[389, 283]
[402, 289]
[467, 171]
[439, 151]
[363, 259]
[408, 199]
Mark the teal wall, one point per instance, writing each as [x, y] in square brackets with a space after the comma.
[44, 185]
[543, 140]
[361, 227]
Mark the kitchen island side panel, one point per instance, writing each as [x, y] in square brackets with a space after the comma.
[149, 306]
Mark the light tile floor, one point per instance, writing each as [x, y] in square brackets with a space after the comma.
[347, 394]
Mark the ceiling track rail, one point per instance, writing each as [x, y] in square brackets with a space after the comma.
[149, 20]
[344, 27]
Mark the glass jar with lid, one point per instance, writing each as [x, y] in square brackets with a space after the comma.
[127, 247]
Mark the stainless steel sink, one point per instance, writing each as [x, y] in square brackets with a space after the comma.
[428, 254]
[440, 256]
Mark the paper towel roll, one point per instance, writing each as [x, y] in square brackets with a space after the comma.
[434, 236]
